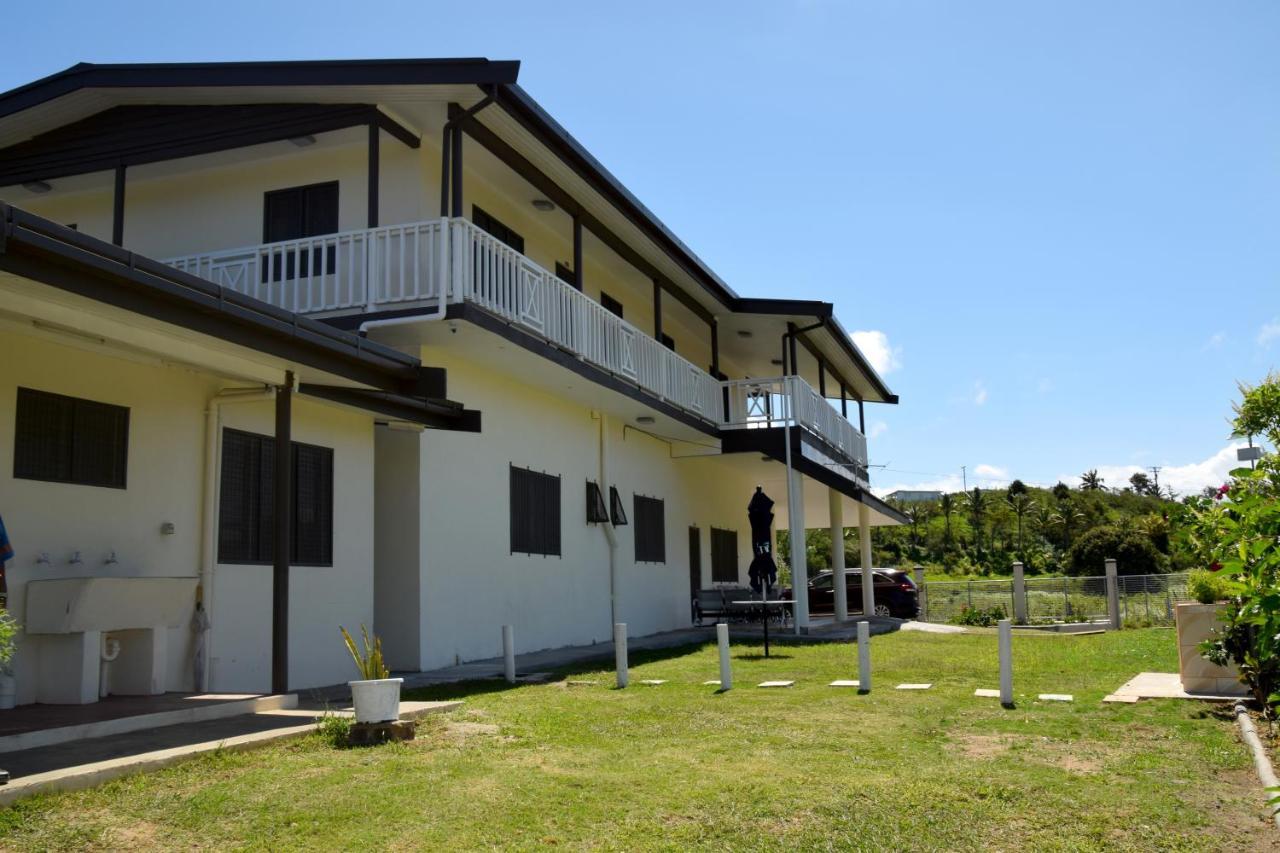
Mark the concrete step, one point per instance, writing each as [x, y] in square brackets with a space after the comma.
[143, 722]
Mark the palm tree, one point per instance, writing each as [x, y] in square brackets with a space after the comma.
[919, 513]
[1068, 518]
[1090, 481]
[1021, 504]
[977, 508]
[947, 505]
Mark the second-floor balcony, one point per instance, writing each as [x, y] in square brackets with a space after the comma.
[441, 262]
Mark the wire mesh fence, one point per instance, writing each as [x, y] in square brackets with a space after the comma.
[1144, 599]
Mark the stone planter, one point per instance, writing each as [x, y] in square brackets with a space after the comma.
[1195, 624]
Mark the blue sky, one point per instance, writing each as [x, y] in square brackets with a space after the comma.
[1059, 222]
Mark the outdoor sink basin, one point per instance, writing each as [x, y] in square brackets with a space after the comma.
[76, 605]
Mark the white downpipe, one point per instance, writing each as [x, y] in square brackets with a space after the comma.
[610, 535]
[209, 505]
[368, 325]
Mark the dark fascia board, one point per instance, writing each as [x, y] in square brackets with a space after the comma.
[517, 103]
[414, 410]
[354, 72]
[36, 248]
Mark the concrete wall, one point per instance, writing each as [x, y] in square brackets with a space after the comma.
[165, 481]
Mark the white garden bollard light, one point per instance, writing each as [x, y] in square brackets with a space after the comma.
[620, 652]
[726, 673]
[864, 657]
[509, 654]
[1005, 628]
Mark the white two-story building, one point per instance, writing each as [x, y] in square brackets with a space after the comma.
[203, 264]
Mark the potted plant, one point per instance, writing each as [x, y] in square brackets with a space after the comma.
[1197, 621]
[376, 696]
[8, 634]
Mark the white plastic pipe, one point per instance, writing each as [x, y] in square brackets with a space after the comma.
[509, 654]
[620, 653]
[726, 671]
[209, 505]
[1005, 630]
[864, 656]
[610, 534]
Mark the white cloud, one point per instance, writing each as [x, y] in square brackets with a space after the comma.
[1184, 479]
[979, 393]
[1269, 332]
[1215, 340]
[875, 346]
[877, 429]
[991, 472]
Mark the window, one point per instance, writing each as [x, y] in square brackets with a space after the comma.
[246, 510]
[669, 342]
[651, 530]
[616, 511]
[565, 273]
[596, 511]
[68, 440]
[487, 223]
[610, 304]
[535, 513]
[724, 556]
[294, 214]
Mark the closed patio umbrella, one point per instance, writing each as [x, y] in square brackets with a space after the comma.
[763, 570]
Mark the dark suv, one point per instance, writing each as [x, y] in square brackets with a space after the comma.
[896, 594]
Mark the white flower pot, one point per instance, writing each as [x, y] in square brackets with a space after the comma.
[376, 701]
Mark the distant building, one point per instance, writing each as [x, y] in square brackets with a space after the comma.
[909, 497]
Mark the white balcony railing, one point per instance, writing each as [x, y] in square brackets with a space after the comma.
[789, 400]
[451, 260]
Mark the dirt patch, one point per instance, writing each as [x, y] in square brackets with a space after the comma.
[138, 835]
[982, 746]
[465, 729]
[1071, 756]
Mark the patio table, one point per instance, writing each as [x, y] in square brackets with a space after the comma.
[764, 606]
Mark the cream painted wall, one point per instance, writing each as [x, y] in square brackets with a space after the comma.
[164, 484]
[397, 584]
[472, 584]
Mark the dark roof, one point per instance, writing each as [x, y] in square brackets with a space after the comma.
[43, 251]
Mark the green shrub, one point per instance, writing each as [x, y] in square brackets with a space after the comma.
[8, 633]
[333, 729]
[1208, 587]
[1132, 550]
[981, 617]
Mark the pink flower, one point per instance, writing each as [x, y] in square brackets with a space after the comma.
[1222, 491]
[1215, 567]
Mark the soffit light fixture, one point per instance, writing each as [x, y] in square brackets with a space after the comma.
[303, 141]
[744, 333]
[543, 204]
[38, 187]
[645, 419]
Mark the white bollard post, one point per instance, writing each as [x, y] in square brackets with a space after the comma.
[726, 672]
[620, 653]
[509, 654]
[864, 657]
[1006, 662]
[1113, 593]
[1019, 594]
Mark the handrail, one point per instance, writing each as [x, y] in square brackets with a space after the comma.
[790, 400]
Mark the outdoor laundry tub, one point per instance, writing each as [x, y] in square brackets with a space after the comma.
[1196, 623]
[68, 617]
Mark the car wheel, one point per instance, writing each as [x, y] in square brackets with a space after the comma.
[882, 610]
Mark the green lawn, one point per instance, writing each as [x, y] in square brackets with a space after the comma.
[679, 766]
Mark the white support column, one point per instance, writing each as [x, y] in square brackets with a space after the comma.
[864, 656]
[799, 568]
[726, 671]
[864, 545]
[1113, 593]
[620, 653]
[509, 654]
[835, 503]
[1019, 595]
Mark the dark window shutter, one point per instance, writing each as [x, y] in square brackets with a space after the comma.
[487, 223]
[295, 213]
[724, 556]
[651, 530]
[313, 505]
[535, 512]
[596, 510]
[610, 304]
[616, 510]
[69, 440]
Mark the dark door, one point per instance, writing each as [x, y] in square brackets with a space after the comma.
[695, 561]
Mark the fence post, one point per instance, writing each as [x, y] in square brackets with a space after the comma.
[1113, 593]
[1019, 594]
[918, 571]
[970, 595]
[509, 654]
[620, 653]
[1066, 601]
[726, 672]
[1005, 630]
[864, 656]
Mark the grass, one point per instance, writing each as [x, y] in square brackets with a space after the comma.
[677, 766]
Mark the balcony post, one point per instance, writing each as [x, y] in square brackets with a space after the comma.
[373, 174]
[862, 418]
[715, 349]
[657, 310]
[117, 208]
[457, 171]
[822, 379]
[844, 402]
[282, 505]
[577, 252]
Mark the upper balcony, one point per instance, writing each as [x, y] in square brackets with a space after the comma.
[441, 262]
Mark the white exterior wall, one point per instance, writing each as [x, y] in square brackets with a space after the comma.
[472, 584]
[164, 484]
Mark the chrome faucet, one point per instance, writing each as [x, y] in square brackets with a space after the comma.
[75, 558]
[43, 557]
[111, 558]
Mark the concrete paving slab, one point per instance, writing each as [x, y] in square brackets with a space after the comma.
[986, 693]
[1116, 697]
[1164, 685]
[932, 627]
[1056, 697]
[653, 682]
[844, 683]
[776, 684]
[715, 682]
[913, 686]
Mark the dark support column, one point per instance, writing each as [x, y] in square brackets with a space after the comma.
[373, 175]
[657, 310]
[446, 146]
[844, 401]
[117, 210]
[822, 379]
[791, 341]
[715, 349]
[282, 506]
[457, 171]
[577, 253]
[862, 420]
